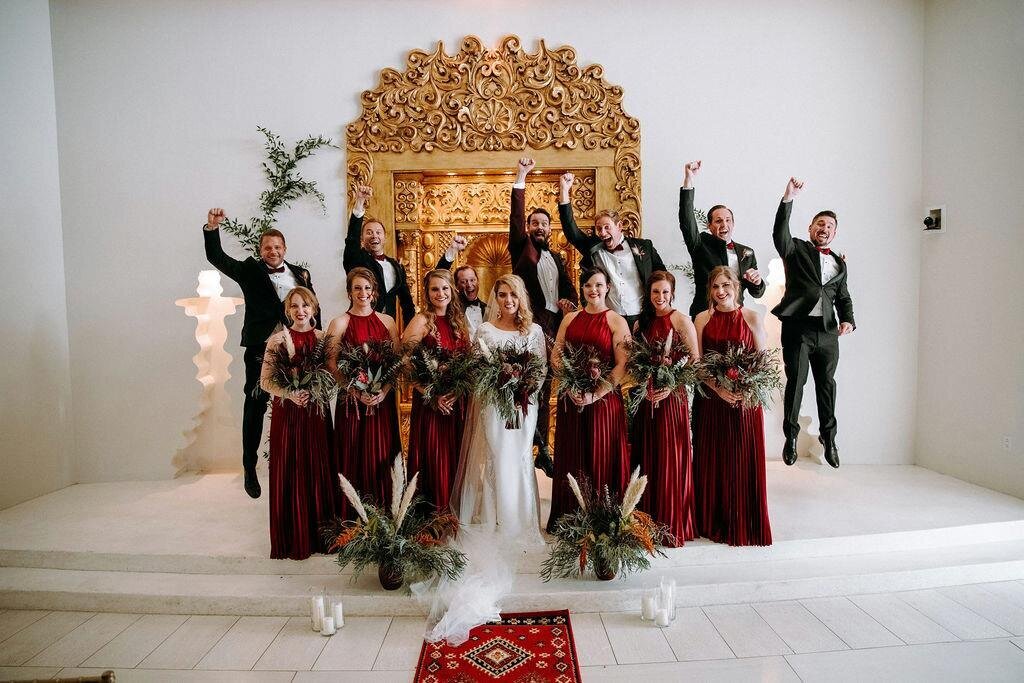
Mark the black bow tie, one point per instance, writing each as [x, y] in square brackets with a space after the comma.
[279, 269]
[467, 304]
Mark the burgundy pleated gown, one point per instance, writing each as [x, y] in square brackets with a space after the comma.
[593, 442]
[435, 438]
[661, 447]
[303, 487]
[366, 440]
[732, 500]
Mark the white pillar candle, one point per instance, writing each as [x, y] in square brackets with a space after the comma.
[661, 618]
[316, 612]
[338, 614]
[327, 626]
[647, 607]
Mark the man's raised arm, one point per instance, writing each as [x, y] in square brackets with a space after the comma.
[780, 234]
[687, 221]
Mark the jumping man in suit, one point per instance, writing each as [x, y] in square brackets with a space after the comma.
[815, 292]
[714, 248]
[264, 282]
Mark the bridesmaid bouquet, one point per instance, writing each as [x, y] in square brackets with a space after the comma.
[439, 371]
[310, 374]
[748, 372]
[507, 379]
[656, 366]
[583, 370]
[369, 367]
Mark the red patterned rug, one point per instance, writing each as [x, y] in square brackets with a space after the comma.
[528, 647]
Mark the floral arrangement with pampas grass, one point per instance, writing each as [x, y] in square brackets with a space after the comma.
[403, 537]
[605, 535]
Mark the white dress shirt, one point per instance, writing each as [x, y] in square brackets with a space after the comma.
[733, 259]
[474, 317]
[829, 269]
[625, 291]
[283, 282]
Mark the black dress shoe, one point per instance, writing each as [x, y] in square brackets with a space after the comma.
[789, 452]
[543, 462]
[831, 452]
[252, 483]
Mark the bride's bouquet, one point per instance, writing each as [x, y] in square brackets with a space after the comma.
[439, 371]
[751, 373]
[308, 373]
[582, 370]
[657, 366]
[507, 379]
[369, 367]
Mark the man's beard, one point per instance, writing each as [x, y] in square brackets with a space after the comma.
[539, 242]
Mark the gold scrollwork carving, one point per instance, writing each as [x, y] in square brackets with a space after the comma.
[496, 100]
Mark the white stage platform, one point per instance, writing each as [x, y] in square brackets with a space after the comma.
[198, 545]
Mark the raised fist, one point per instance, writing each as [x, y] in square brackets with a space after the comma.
[364, 193]
[526, 165]
[692, 168]
[565, 182]
[459, 243]
[793, 188]
[214, 217]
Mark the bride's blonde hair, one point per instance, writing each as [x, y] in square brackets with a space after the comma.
[524, 316]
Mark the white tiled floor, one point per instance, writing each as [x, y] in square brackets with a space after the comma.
[960, 633]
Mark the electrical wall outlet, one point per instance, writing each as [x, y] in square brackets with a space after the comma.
[1006, 443]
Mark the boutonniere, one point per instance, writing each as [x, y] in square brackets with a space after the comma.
[638, 251]
[747, 253]
[305, 276]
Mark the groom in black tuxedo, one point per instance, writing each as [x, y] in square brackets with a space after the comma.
[715, 247]
[815, 292]
[264, 282]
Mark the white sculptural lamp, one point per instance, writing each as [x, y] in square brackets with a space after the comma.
[213, 441]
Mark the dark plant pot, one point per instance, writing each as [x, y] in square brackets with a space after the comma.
[390, 576]
[604, 568]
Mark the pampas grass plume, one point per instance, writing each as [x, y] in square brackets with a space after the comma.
[353, 497]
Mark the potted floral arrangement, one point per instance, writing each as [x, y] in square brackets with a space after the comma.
[508, 378]
[657, 366]
[407, 543]
[605, 535]
[582, 369]
[751, 373]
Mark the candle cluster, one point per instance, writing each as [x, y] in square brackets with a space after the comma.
[326, 614]
[659, 604]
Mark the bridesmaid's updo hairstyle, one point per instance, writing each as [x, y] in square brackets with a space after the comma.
[647, 313]
[714, 275]
[367, 275]
[308, 296]
[524, 316]
[589, 272]
[456, 316]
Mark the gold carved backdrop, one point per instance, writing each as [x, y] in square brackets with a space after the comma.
[438, 142]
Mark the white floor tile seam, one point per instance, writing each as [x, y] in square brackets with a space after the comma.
[376, 657]
[44, 614]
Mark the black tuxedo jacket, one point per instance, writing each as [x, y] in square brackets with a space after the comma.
[803, 278]
[646, 256]
[355, 256]
[707, 252]
[263, 310]
[525, 256]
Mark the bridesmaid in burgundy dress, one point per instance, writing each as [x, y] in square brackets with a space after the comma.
[732, 501]
[366, 436]
[592, 441]
[661, 435]
[435, 432]
[303, 484]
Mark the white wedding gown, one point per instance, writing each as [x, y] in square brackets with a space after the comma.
[496, 499]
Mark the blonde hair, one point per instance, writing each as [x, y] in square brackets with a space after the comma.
[608, 213]
[307, 296]
[731, 275]
[455, 314]
[524, 316]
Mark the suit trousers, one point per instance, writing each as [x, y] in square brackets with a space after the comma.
[255, 407]
[806, 343]
[549, 323]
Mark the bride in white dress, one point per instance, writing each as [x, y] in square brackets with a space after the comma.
[495, 494]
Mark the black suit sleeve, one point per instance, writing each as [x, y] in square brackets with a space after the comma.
[565, 287]
[405, 298]
[780, 234]
[656, 262]
[353, 242]
[444, 263]
[572, 231]
[844, 304]
[755, 290]
[687, 221]
[218, 259]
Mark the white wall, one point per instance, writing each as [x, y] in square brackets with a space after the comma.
[35, 407]
[158, 104]
[971, 367]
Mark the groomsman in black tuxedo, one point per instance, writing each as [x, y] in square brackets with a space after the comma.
[629, 261]
[815, 292]
[467, 282]
[264, 282]
[715, 247]
[547, 282]
[364, 246]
